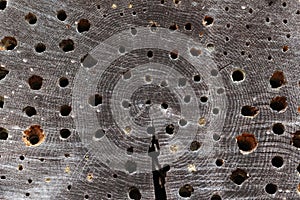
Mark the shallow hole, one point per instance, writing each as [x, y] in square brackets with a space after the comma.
[134, 193]
[35, 82]
[195, 145]
[271, 188]
[125, 104]
[65, 133]
[237, 75]
[61, 15]
[8, 43]
[249, 111]
[33, 136]
[40, 47]
[95, 100]
[182, 122]
[88, 61]
[83, 25]
[195, 52]
[277, 161]
[151, 130]
[173, 27]
[3, 4]
[133, 31]
[277, 79]
[246, 142]
[31, 18]
[3, 73]
[29, 111]
[127, 75]
[63, 82]
[3, 134]
[238, 176]
[216, 111]
[181, 82]
[216, 137]
[99, 133]
[187, 99]
[130, 166]
[278, 103]
[285, 48]
[278, 128]
[67, 45]
[220, 91]
[208, 21]
[219, 162]
[170, 129]
[186, 190]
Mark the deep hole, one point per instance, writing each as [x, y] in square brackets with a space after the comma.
[278, 128]
[63, 82]
[277, 79]
[173, 27]
[195, 145]
[86, 196]
[31, 18]
[284, 4]
[247, 26]
[226, 8]
[65, 133]
[188, 26]
[29, 181]
[3, 73]
[249, 111]
[277, 161]
[1, 101]
[164, 105]
[67, 45]
[271, 188]
[162, 1]
[250, 10]
[30, 111]
[3, 4]
[203, 99]
[34, 135]
[83, 25]
[176, 1]
[20, 167]
[27, 194]
[150, 54]
[228, 25]
[237, 75]
[285, 48]
[208, 21]
[197, 78]
[61, 15]
[134, 193]
[238, 176]
[246, 142]
[95, 100]
[219, 162]
[153, 27]
[186, 190]
[65, 110]
[69, 187]
[298, 168]
[296, 139]
[40, 47]
[278, 103]
[174, 54]
[215, 197]
[3, 177]
[34, 139]
[170, 129]
[115, 175]
[8, 43]
[22, 157]
[3, 134]
[109, 196]
[269, 57]
[35, 82]
[130, 150]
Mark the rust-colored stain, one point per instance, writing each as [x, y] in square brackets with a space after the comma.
[33, 136]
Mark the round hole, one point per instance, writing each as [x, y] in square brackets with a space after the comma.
[219, 162]
[164, 105]
[208, 21]
[170, 129]
[61, 15]
[278, 103]
[197, 78]
[29, 181]
[148, 78]
[65, 110]
[277, 79]
[69, 187]
[182, 122]
[122, 49]
[216, 111]
[203, 99]
[271, 188]
[215, 197]
[238, 176]
[134, 193]
[150, 54]
[99, 133]
[249, 111]
[130, 150]
[3, 134]
[133, 31]
[31, 18]
[35, 82]
[40, 47]
[246, 142]
[63, 82]
[130, 166]
[186, 191]
[278, 128]
[188, 26]
[33, 136]
[3, 4]
[83, 25]
[127, 75]
[22, 157]
[277, 161]
[195, 145]
[237, 75]
[30, 111]
[126, 104]
[8, 43]
[174, 54]
[67, 45]
[173, 27]
[95, 100]
[216, 137]
[65, 133]
[220, 91]
[195, 52]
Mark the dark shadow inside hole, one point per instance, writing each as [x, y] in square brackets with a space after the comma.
[195, 145]
[3, 4]
[277, 161]
[65, 133]
[40, 47]
[296, 139]
[186, 190]
[95, 100]
[65, 110]
[238, 176]
[249, 111]
[9, 43]
[237, 75]
[67, 45]
[278, 128]
[219, 162]
[30, 111]
[246, 142]
[88, 61]
[35, 82]
[63, 82]
[3, 134]
[278, 103]
[1, 101]
[271, 188]
[170, 129]
[34, 139]
[3, 73]
[208, 21]
[83, 25]
[216, 197]
[134, 193]
[277, 79]
[164, 105]
[188, 26]
[31, 18]
[61, 15]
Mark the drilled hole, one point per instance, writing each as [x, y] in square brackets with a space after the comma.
[277, 161]
[238, 75]
[278, 128]
[249, 111]
[278, 103]
[238, 176]
[150, 54]
[195, 145]
[246, 142]
[170, 129]
[63, 82]
[35, 82]
[277, 79]
[3, 134]
[3, 73]
[215, 197]
[1, 101]
[195, 52]
[208, 21]
[67, 45]
[31, 18]
[40, 47]
[164, 105]
[173, 27]
[129, 150]
[271, 188]
[134, 193]
[285, 48]
[203, 99]
[3, 4]
[8, 43]
[65, 133]
[151, 130]
[174, 54]
[65, 110]
[95, 100]
[188, 26]
[33, 136]
[83, 25]
[296, 139]
[186, 190]
[29, 111]
[61, 15]
[219, 162]
[197, 78]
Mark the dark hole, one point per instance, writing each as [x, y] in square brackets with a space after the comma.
[115, 176]
[269, 38]
[298, 168]
[63, 82]
[1, 102]
[65, 110]
[249, 111]
[284, 4]
[86, 196]
[278, 103]
[3, 134]
[164, 105]
[40, 47]
[108, 195]
[153, 27]
[3, 4]
[237, 75]
[285, 21]
[247, 26]
[271, 188]
[176, 1]
[298, 12]
[246, 142]
[188, 26]
[197, 78]
[216, 197]
[95, 100]
[277, 161]
[226, 8]
[296, 139]
[150, 54]
[173, 27]
[34, 139]
[3, 73]
[20, 167]
[269, 57]
[65, 133]
[83, 25]
[203, 99]
[42, 159]
[88, 61]
[61, 15]
[285, 48]
[22, 157]
[67, 45]
[67, 155]
[238, 176]
[186, 190]
[30, 111]
[121, 14]
[31, 18]
[219, 162]
[9, 43]
[3, 177]
[195, 145]
[278, 128]
[162, 1]
[35, 82]
[130, 150]
[134, 13]
[148, 102]
[277, 79]
[27, 194]
[29, 181]
[69, 187]
[134, 193]
[250, 10]
[267, 19]
[170, 129]
[174, 55]
[208, 20]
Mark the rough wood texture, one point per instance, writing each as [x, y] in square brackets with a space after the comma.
[149, 99]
